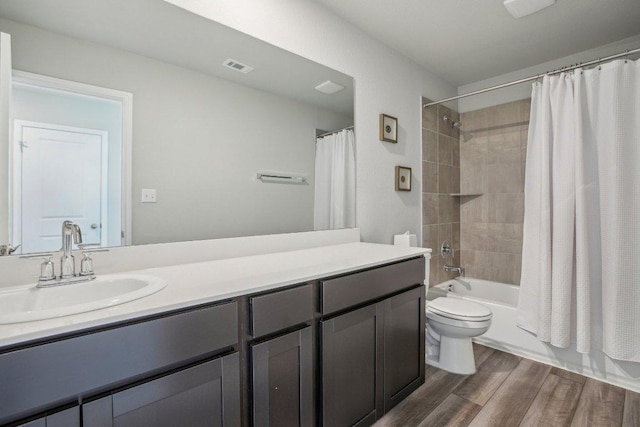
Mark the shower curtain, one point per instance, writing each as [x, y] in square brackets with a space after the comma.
[581, 245]
[335, 182]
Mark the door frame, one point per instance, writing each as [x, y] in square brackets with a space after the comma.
[16, 205]
[126, 101]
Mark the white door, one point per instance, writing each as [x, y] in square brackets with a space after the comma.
[5, 101]
[61, 175]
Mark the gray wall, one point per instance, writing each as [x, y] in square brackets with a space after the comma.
[197, 139]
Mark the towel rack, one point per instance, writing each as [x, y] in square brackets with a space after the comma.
[283, 177]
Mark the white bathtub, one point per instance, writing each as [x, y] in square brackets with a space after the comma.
[504, 335]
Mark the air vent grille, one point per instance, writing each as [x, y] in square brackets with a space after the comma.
[237, 66]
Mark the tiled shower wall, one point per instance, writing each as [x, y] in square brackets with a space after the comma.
[440, 178]
[492, 158]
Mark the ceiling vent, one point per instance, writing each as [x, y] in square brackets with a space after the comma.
[521, 8]
[237, 66]
[329, 87]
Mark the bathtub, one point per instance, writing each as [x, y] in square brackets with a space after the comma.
[504, 335]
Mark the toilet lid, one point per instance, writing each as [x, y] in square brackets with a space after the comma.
[459, 309]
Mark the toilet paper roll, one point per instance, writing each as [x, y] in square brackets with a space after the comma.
[406, 240]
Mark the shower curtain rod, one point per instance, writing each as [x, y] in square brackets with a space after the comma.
[528, 79]
[335, 131]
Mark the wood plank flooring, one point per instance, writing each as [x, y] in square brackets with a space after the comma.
[511, 391]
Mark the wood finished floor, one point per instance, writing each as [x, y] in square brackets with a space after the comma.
[508, 390]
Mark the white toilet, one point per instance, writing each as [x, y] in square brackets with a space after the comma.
[451, 323]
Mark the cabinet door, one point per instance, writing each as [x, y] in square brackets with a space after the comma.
[352, 367]
[404, 324]
[283, 380]
[203, 395]
[67, 418]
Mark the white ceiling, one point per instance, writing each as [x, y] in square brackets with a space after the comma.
[156, 29]
[464, 41]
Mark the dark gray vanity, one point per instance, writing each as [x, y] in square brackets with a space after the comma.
[337, 351]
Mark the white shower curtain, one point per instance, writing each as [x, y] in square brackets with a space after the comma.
[335, 182]
[580, 278]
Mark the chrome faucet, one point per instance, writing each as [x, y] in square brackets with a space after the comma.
[456, 268]
[71, 233]
[447, 251]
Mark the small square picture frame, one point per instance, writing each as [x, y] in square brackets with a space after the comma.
[403, 178]
[388, 128]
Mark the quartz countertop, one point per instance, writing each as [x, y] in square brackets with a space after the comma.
[204, 282]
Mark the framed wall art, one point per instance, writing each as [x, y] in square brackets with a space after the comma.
[403, 178]
[388, 128]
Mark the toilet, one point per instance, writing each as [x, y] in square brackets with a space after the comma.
[451, 324]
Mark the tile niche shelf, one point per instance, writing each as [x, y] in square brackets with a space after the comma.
[465, 194]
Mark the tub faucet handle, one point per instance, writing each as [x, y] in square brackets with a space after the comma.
[446, 250]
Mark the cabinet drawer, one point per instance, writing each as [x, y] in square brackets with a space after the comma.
[45, 375]
[353, 289]
[203, 395]
[280, 310]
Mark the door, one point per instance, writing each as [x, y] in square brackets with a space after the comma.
[352, 367]
[404, 324]
[203, 395]
[60, 174]
[283, 380]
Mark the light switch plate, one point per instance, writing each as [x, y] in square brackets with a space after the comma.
[148, 195]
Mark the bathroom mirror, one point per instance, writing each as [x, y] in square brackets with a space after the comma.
[157, 123]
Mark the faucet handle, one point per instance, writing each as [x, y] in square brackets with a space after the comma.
[86, 265]
[47, 270]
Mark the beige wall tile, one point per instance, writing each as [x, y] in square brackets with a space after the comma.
[473, 166]
[444, 127]
[429, 146]
[504, 238]
[430, 238]
[430, 208]
[429, 177]
[504, 208]
[474, 236]
[429, 121]
[445, 150]
[505, 178]
[474, 124]
[445, 208]
[503, 118]
[473, 209]
[455, 229]
[455, 152]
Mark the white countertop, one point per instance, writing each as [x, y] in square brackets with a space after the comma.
[192, 284]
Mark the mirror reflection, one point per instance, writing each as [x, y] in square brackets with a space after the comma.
[157, 130]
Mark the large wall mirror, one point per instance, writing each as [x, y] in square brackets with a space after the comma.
[144, 123]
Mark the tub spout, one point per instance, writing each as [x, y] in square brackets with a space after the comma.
[456, 268]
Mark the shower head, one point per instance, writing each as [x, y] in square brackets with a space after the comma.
[454, 123]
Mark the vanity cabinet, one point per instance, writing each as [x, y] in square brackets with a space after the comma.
[340, 351]
[207, 394]
[38, 377]
[283, 380]
[372, 357]
[352, 361]
[283, 366]
[65, 418]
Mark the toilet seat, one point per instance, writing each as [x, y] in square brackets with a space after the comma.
[459, 309]
[434, 317]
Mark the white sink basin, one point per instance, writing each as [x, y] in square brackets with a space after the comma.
[28, 303]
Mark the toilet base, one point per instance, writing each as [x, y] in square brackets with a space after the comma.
[456, 356]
